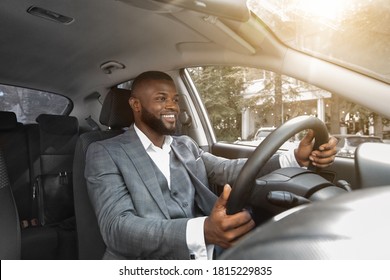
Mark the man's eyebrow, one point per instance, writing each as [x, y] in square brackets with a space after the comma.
[166, 93]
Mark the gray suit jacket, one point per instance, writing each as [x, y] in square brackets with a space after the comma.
[128, 202]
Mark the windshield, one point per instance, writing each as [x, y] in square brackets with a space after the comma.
[356, 141]
[263, 134]
[330, 29]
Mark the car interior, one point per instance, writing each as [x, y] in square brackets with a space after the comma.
[88, 52]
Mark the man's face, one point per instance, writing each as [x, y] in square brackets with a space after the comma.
[159, 106]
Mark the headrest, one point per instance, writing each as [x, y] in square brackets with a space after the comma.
[7, 120]
[116, 112]
[58, 124]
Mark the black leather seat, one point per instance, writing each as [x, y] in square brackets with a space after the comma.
[14, 143]
[46, 150]
[54, 144]
[10, 240]
[58, 138]
[117, 115]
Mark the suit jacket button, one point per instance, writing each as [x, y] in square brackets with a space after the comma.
[185, 204]
[175, 193]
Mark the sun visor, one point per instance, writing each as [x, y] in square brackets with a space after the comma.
[231, 9]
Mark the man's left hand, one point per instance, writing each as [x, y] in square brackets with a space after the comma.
[322, 157]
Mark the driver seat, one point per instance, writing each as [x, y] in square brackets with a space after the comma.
[117, 115]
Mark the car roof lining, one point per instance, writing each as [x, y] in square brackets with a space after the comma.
[65, 63]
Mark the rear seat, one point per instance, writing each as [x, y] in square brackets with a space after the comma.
[58, 137]
[42, 153]
[13, 141]
[9, 220]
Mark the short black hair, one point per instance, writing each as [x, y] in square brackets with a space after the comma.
[150, 75]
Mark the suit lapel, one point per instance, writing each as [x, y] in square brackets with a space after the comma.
[204, 198]
[142, 162]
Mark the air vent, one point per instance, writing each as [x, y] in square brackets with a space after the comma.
[49, 15]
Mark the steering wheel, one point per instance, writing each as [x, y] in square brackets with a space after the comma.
[242, 188]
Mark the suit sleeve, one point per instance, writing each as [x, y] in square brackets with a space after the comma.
[221, 171]
[125, 233]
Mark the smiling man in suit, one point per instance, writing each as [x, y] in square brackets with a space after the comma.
[150, 189]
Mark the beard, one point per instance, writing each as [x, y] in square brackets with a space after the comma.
[155, 123]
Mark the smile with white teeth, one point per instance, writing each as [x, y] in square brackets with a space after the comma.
[169, 117]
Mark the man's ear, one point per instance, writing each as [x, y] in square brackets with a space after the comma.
[134, 104]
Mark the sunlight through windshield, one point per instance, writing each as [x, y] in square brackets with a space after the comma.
[354, 33]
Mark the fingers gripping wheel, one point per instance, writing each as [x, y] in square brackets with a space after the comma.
[243, 186]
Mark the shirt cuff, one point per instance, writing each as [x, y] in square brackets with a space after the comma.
[287, 159]
[195, 240]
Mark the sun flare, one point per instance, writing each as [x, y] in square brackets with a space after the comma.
[330, 10]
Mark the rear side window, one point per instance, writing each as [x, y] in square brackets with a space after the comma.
[28, 104]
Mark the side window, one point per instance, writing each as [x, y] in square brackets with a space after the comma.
[28, 104]
[244, 105]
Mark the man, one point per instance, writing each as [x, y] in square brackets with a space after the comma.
[150, 190]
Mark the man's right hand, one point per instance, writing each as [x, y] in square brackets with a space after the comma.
[222, 229]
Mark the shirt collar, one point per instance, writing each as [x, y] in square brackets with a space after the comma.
[146, 143]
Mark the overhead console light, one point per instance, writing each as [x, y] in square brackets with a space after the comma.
[49, 15]
[231, 9]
